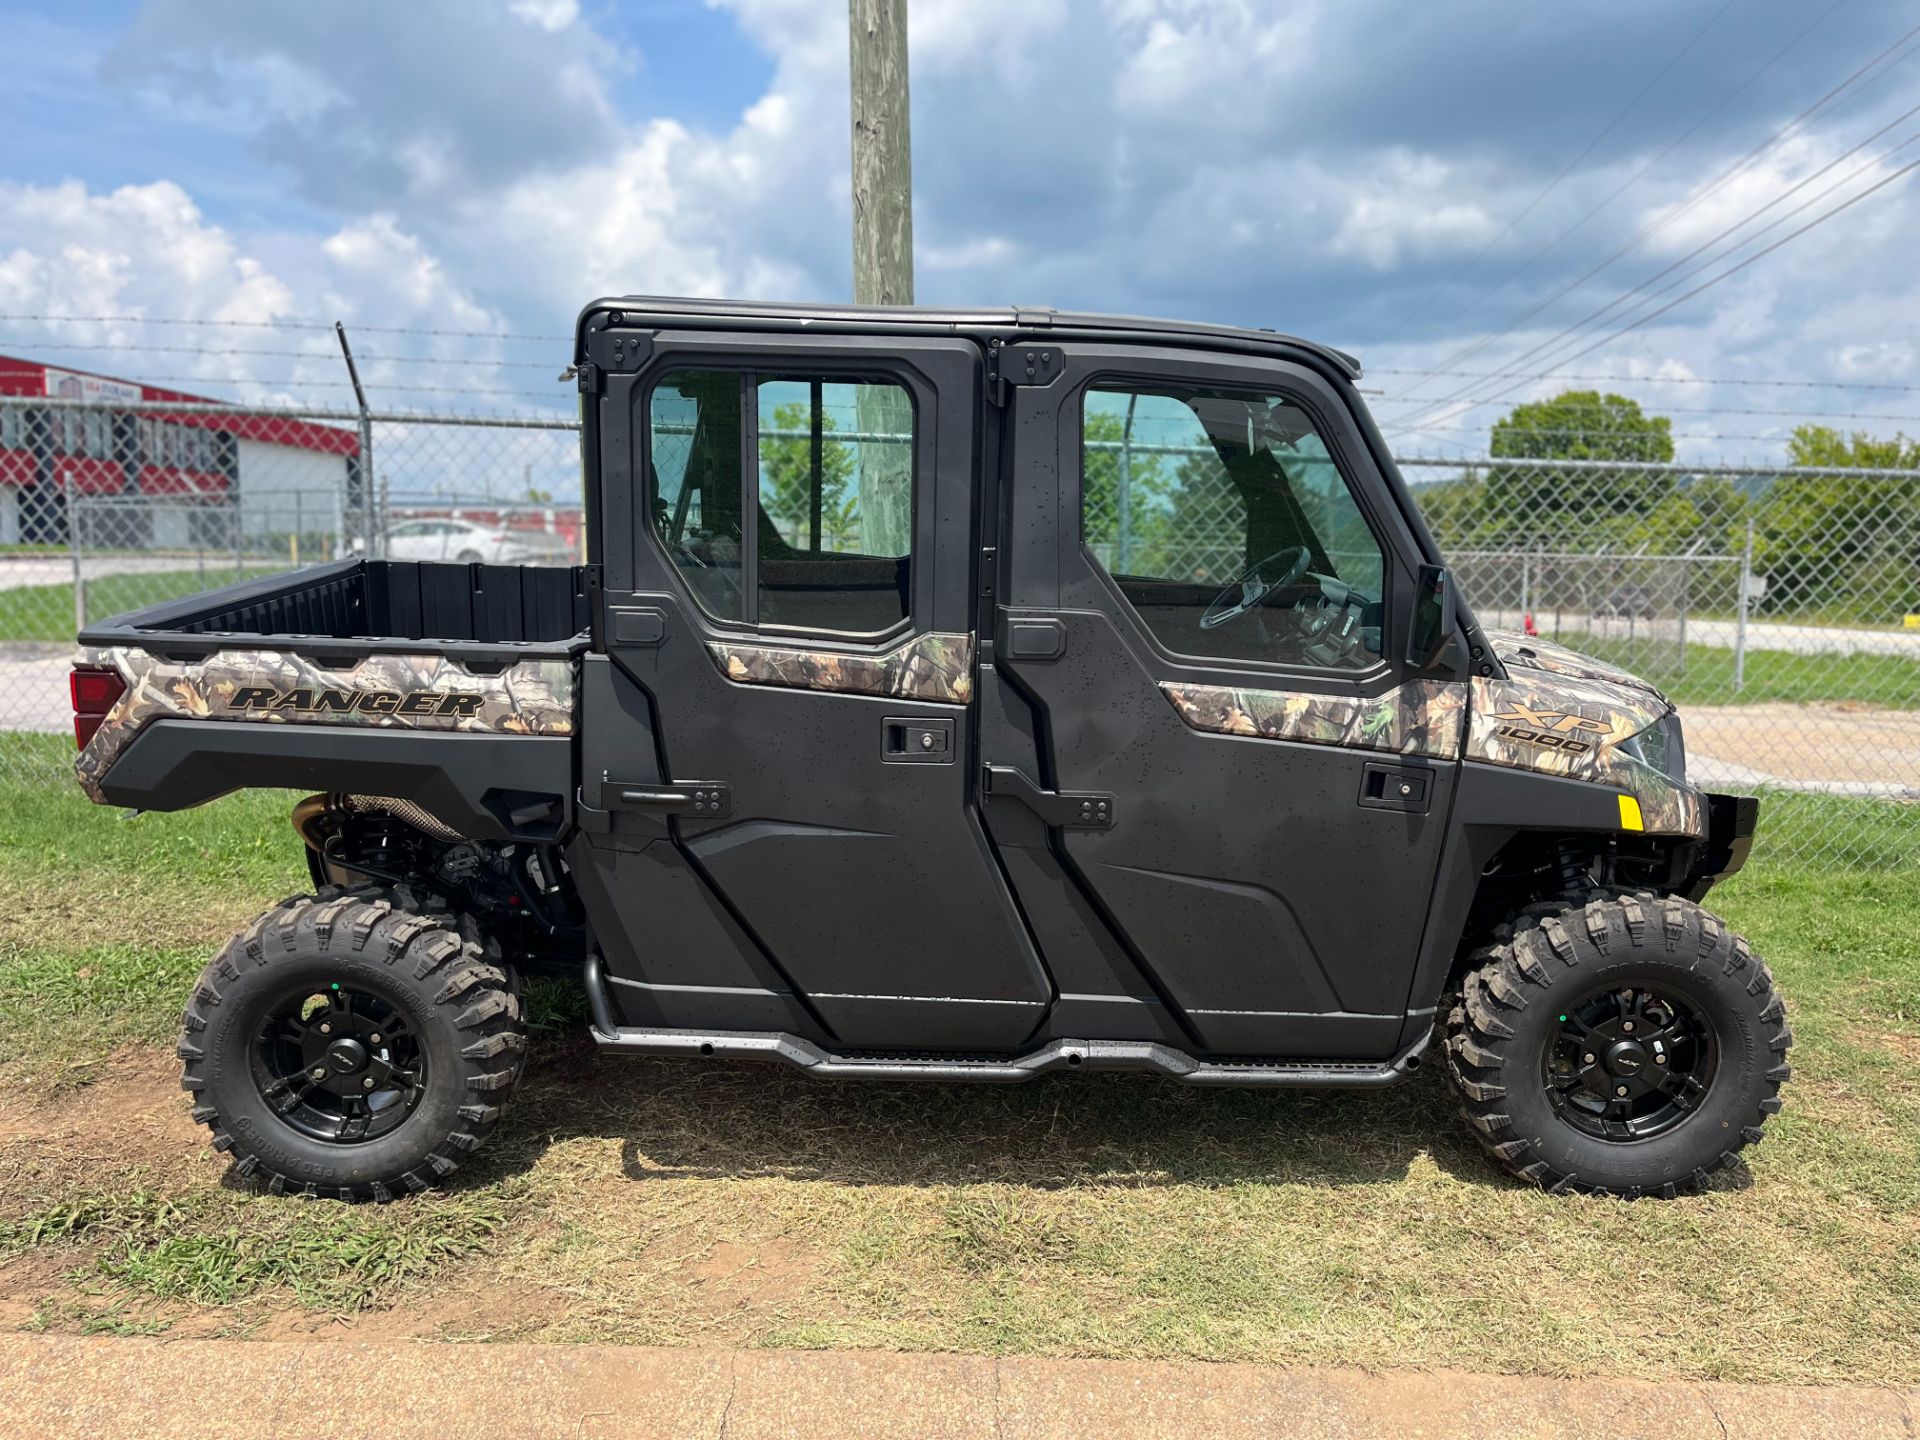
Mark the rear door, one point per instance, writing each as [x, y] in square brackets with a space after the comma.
[789, 543]
[1268, 785]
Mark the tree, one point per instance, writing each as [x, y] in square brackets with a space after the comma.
[1577, 505]
[786, 481]
[1843, 541]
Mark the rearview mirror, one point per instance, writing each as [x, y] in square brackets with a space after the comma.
[1435, 612]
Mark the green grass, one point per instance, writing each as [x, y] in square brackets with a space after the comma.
[45, 612]
[686, 1203]
[1705, 676]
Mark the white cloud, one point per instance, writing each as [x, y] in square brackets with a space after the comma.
[547, 14]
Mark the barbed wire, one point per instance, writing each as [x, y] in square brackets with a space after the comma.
[328, 353]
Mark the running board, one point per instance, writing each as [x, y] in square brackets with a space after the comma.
[1140, 1055]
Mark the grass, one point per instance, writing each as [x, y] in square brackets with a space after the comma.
[45, 612]
[1705, 677]
[682, 1203]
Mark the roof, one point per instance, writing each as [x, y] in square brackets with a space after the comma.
[30, 377]
[898, 318]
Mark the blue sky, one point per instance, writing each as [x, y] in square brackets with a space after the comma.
[1405, 180]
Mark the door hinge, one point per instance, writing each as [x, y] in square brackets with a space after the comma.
[1026, 365]
[699, 799]
[588, 376]
[1060, 809]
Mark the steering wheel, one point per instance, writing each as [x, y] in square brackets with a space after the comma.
[1279, 569]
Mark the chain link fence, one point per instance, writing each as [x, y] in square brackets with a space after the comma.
[1780, 607]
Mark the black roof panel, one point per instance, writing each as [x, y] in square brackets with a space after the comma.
[657, 309]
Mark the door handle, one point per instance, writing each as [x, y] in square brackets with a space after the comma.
[1396, 787]
[916, 740]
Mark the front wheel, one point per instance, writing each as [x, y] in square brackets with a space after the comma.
[352, 1044]
[1629, 1045]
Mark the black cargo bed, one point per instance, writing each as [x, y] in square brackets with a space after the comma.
[356, 607]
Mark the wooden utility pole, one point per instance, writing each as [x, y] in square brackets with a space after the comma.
[882, 259]
[882, 154]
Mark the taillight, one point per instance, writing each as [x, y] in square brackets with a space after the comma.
[95, 691]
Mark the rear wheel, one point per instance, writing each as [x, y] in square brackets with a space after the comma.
[353, 1044]
[1631, 1044]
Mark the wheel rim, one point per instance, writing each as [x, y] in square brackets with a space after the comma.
[339, 1064]
[1629, 1063]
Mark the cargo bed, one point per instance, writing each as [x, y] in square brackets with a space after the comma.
[371, 607]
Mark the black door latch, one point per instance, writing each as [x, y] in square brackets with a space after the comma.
[1061, 809]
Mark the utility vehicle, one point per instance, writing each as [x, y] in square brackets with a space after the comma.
[957, 695]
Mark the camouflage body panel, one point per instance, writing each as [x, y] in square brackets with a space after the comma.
[415, 692]
[1421, 717]
[936, 667]
[1529, 652]
[1575, 726]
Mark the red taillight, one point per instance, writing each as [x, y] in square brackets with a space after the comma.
[95, 692]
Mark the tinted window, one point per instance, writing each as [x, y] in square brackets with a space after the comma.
[830, 503]
[1225, 522]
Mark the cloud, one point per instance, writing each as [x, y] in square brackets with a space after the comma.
[390, 104]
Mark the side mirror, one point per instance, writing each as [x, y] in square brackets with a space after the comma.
[1435, 620]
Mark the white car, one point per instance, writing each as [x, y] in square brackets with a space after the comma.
[467, 541]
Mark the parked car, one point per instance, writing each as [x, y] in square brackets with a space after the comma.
[468, 541]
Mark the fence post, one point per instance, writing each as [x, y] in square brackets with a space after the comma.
[73, 549]
[1740, 625]
[368, 507]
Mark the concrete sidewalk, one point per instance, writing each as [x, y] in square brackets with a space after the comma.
[52, 1387]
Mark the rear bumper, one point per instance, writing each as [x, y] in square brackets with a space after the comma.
[1731, 822]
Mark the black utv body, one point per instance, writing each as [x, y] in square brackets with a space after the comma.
[956, 695]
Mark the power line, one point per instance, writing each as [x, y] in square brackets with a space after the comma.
[1726, 274]
[1587, 322]
[49, 318]
[1667, 150]
[1568, 169]
[243, 352]
[1653, 227]
[1641, 379]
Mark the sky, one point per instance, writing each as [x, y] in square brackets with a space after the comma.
[1463, 188]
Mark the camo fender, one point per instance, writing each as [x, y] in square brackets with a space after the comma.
[413, 692]
[936, 667]
[1421, 717]
[1561, 723]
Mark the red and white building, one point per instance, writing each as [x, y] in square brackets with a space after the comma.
[280, 475]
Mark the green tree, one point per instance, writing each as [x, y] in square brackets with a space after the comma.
[786, 481]
[1841, 542]
[1577, 505]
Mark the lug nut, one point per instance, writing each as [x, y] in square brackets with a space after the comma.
[1588, 1057]
[1659, 1059]
[373, 1039]
[1626, 1025]
[367, 1084]
[319, 1072]
[325, 1029]
[1621, 1091]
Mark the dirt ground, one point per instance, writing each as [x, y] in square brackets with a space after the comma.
[1858, 749]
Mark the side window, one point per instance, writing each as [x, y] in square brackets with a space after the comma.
[828, 502]
[1224, 521]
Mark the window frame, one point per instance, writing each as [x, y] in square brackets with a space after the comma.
[803, 369]
[1156, 380]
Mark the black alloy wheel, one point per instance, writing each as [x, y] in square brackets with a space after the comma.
[341, 1064]
[1629, 1063]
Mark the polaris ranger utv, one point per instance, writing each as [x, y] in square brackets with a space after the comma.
[956, 695]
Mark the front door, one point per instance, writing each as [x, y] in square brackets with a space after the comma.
[792, 595]
[1202, 604]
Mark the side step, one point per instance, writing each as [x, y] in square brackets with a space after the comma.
[1054, 1055]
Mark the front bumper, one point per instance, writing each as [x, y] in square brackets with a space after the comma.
[1731, 822]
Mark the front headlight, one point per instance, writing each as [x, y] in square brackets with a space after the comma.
[1660, 747]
